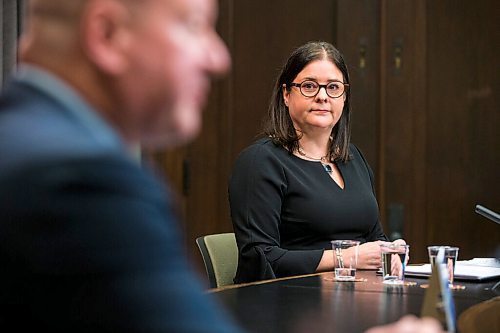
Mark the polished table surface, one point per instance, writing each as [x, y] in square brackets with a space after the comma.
[317, 303]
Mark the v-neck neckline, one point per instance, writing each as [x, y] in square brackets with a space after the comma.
[321, 165]
[340, 174]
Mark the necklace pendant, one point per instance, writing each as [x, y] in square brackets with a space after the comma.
[327, 168]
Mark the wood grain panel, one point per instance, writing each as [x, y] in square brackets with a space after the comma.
[265, 33]
[358, 31]
[402, 134]
[463, 115]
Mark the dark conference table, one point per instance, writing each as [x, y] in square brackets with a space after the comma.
[317, 303]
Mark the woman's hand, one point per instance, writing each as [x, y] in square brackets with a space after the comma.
[402, 242]
[399, 241]
[369, 256]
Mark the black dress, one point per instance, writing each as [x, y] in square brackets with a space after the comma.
[286, 210]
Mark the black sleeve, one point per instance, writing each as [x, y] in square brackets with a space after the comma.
[376, 232]
[257, 189]
[92, 246]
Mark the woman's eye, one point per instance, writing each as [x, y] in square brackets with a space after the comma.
[309, 85]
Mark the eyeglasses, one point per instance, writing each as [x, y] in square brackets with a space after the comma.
[309, 88]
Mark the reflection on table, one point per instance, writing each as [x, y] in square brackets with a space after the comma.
[317, 303]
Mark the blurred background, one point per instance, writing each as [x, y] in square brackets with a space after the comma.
[425, 110]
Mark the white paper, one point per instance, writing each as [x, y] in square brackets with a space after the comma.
[465, 270]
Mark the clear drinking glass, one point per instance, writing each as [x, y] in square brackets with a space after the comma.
[394, 257]
[345, 259]
[450, 259]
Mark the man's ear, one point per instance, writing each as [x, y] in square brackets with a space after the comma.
[106, 35]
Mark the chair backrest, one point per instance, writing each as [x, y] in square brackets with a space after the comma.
[220, 255]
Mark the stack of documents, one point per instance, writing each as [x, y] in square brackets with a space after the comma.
[475, 269]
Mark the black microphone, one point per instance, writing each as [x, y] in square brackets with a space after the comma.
[489, 214]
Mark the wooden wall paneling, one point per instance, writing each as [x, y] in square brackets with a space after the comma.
[403, 136]
[265, 32]
[463, 115]
[358, 38]
[417, 230]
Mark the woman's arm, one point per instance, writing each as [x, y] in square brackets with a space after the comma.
[257, 189]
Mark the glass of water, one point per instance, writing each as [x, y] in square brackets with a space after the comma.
[394, 257]
[450, 259]
[345, 259]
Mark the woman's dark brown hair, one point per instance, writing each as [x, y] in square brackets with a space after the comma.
[279, 125]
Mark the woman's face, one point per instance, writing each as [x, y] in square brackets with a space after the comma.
[320, 112]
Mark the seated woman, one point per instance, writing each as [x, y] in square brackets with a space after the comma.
[303, 185]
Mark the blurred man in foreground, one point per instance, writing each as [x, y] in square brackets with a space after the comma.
[88, 240]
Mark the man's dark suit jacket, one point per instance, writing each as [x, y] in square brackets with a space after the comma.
[88, 241]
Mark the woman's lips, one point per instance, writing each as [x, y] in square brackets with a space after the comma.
[320, 111]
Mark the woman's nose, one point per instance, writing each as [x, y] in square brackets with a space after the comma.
[322, 95]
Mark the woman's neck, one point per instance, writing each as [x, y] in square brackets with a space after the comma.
[314, 147]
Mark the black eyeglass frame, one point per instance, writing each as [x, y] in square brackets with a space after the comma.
[299, 85]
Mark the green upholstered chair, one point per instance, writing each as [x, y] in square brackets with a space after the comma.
[220, 255]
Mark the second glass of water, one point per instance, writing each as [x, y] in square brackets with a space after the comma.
[394, 257]
[450, 259]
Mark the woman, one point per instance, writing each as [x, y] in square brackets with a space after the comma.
[304, 184]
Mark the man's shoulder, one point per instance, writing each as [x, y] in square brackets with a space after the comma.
[18, 95]
[35, 128]
[116, 169]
